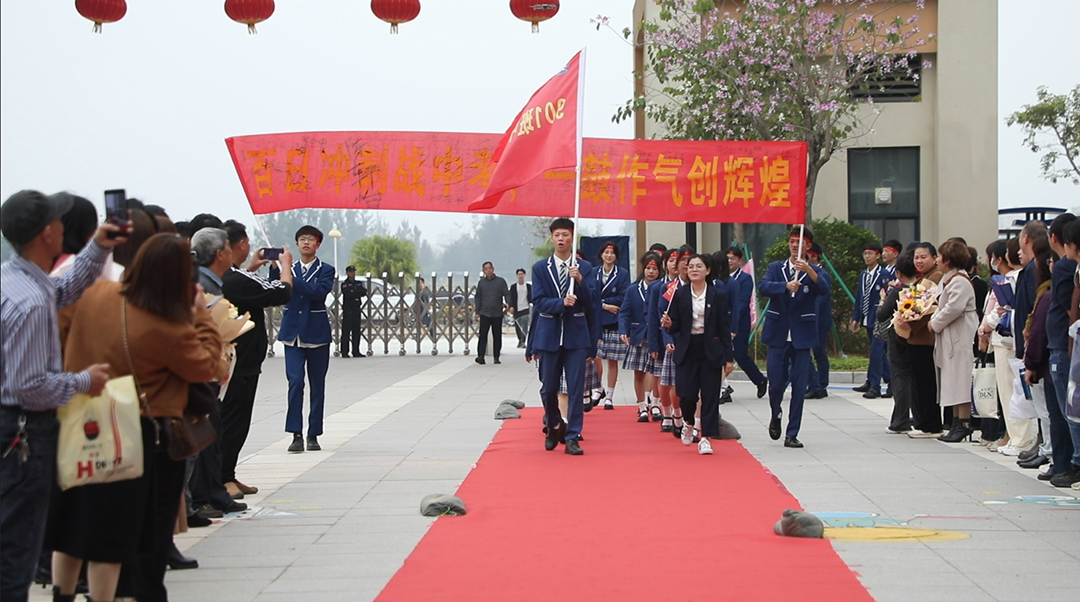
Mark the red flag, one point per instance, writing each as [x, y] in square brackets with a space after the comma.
[543, 136]
[670, 291]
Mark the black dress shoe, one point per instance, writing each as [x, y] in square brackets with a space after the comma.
[480, 360]
[313, 443]
[297, 444]
[208, 511]
[195, 521]
[887, 393]
[863, 388]
[762, 389]
[774, 428]
[792, 442]
[573, 448]
[872, 394]
[497, 361]
[1033, 462]
[235, 507]
[178, 562]
[1046, 476]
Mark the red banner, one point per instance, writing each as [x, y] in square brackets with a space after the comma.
[660, 180]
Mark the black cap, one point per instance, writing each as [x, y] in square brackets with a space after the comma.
[26, 213]
[350, 269]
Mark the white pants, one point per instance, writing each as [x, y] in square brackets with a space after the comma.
[1021, 432]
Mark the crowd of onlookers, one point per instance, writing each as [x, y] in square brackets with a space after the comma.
[84, 303]
[1022, 322]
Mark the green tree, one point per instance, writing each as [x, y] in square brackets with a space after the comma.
[1052, 127]
[768, 70]
[843, 245]
[378, 254]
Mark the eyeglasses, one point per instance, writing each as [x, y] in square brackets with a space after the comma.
[307, 239]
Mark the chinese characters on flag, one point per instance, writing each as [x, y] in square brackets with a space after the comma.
[661, 180]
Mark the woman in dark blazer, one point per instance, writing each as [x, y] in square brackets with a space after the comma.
[632, 333]
[699, 312]
[611, 284]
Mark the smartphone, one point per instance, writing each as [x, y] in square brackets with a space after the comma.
[272, 253]
[115, 213]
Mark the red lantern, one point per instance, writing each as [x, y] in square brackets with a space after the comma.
[395, 11]
[249, 12]
[534, 11]
[101, 11]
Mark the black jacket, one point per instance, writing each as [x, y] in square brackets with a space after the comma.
[253, 294]
[717, 325]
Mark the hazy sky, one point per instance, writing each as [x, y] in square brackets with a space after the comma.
[146, 105]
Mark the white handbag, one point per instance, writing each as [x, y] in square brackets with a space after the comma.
[100, 437]
[1020, 406]
[984, 393]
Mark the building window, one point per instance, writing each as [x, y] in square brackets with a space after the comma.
[883, 191]
[896, 86]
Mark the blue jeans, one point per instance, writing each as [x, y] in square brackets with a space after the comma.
[1059, 373]
[24, 498]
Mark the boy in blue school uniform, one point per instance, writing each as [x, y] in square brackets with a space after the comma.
[818, 383]
[563, 335]
[305, 331]
[872, 281]
[790, 330]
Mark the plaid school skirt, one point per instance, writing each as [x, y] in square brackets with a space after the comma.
[592, 379]
[638, 358]
[667, 372]
[611, 348]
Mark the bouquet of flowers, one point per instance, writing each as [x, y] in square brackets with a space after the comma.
[230, 325]
[914, 303]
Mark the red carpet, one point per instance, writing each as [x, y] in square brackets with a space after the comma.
[638, 517]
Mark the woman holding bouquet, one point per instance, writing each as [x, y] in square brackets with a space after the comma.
[925, 413]
[902, 386]
[954, 324]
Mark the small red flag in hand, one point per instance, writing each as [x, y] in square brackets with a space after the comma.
[670, 291]
[542, 137]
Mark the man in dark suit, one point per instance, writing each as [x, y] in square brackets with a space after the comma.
[790, 331]
[519, 299]
[305, 331]
[818, 382]
[744, 283]
[872, 281]
[352, 297]
[563, 335]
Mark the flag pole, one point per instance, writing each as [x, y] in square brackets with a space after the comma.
[577, 166]
[802, 231]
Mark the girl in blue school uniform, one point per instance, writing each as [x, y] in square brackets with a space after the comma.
[633, 332]
[669, 412]
[611, 284]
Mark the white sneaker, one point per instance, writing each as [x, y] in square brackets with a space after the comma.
[1009, 450]
[917, 434]
[687, 434]
[704, 447]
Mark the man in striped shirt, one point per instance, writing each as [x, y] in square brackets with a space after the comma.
[32, 381]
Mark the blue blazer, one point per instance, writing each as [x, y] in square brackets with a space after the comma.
[732, 289]
[743, 283]
[556, 325]
[717, 327]
[798, 314]
[632, 313]
[824, 306]
[877, 284]
[611, 293]
[655, 306]
[305, 314]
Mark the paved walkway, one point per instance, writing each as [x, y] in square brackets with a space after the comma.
[337, 524]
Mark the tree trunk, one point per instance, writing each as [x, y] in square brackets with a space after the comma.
[811, 182]
[738, 233]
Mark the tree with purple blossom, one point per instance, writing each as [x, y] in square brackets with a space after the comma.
[775, 69]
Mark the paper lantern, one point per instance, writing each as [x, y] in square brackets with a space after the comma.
[534, 11]
[249, 12]
[101, 11]
[395, 12]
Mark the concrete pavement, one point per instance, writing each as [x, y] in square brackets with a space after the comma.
[337, 524]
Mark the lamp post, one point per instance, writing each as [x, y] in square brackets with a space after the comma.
[336, 234]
